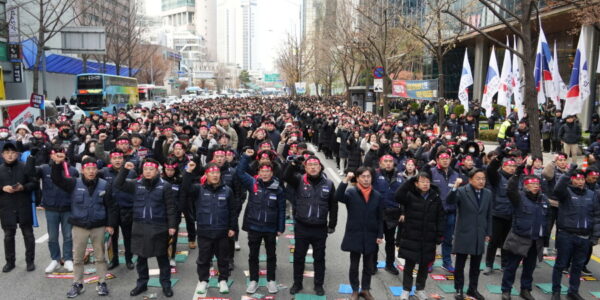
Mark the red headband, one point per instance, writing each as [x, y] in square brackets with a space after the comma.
[116, 154]
[265, 155]
[219, 152]
[444, 155]
[3, 130]
[168, 129]
[387, 156]
[90, 164]
[38, 131]
[509, 163]
[531, 180]
[467, 157]
[594, 173]
[173, 166]
[266, 167]
[560, 156]
[212, 169]
[180, 145]
[229, 153]
[313, 160]
[577, 176]
[151, 164]
[396, 144]
[122, 142]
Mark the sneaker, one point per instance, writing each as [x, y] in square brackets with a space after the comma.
[448, 268]
[488, 271]
[223, 287]
[52, 266]
[76, 290]
[586, 271]
[192, 245]
[574, 296]
[319, 290]
[252, 287]
[421, 295]
[405, 295]
[69, 265]
[201, 287]
[102, 289]
[296, 287]
[545, 251]
[237, 246]
[390, 268]
[172, 262]
[272, 287]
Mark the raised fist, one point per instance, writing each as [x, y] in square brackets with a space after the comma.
[129, 165]
[191, 166]
[249, 152]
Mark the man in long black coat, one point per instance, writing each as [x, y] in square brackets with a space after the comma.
[15, 206]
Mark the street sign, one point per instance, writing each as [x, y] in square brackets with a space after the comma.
[272, 77]
[14, 52]
[378, 72]
[378, 85]
[36, 101]
[17, 72]
[12, 15]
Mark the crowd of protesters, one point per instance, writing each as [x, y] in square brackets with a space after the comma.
[408, 183]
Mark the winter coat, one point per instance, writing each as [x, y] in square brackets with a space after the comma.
[473, 220]
[364, 224]
[343, 135]
[570, 133]
[15, 208]
[354, 155]
[424, 222]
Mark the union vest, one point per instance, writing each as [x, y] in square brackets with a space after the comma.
[312, 201]
[262, 209]
[529, 219]
[445, 185]
[212, 207]
[575, 213]
[388, 189]
[149, 205]
[123, 199]
[502, 207]
[52, 195]
[86, 209]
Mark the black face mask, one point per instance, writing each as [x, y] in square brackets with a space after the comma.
[66, 131]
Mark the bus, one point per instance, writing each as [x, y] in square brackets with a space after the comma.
[150, 92]
[97, 92]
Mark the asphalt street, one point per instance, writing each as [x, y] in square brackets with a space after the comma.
[20, 284]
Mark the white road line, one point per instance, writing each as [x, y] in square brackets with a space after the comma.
[42, 239]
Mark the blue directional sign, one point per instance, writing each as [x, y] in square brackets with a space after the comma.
[378, 72]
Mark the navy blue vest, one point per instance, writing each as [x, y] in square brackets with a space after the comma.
[52, 195]
[86, 208]
[149, 205]
[388, 189]
[312, 201]
[263, 208]
[575, 213]
[212, 207]
[438, 178]
[123, 199]
[529, 219]
[502, 207]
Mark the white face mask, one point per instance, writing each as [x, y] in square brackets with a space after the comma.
[400, 124]
[471, 150]
[429, 134]
[3, 135]
[463, 138]
[448, 136]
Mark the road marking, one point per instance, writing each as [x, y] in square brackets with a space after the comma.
[42, 239]
[596, 258]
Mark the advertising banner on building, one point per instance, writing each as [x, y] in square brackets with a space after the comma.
[416, 89]
[300, 88]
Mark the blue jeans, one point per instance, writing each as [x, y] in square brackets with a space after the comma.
[512, 264]
[447, 243]
[55, 220]
[570, 248]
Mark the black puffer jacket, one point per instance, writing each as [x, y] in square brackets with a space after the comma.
[424, 222]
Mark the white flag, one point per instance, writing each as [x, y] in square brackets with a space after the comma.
[579, 85]
[492, 83]
[504, 91]
[559, 87]
[466, 80]
[517, 80]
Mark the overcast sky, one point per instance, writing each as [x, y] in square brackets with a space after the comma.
[274, 20]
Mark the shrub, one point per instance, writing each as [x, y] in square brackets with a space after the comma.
[459, 109]
[488, 135]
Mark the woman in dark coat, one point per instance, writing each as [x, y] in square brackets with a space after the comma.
[364, 227]
[354, 152]
[423, 228]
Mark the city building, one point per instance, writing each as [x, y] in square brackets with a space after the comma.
[236, 33]
[179, 14]
[206, 25]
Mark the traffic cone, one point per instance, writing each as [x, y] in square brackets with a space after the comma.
[585, 164]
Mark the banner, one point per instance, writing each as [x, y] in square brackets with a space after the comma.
[466, 80]
[300, 88]
[416, 89]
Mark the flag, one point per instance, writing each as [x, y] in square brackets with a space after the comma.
[517, 80]
[504, 92]
[542, 72]
[558, 86]
[466, 80]
[579, 85]
[492, 83]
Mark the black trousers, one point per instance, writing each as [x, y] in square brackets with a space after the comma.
[125, 221]
[207, 248]
[175, 237]
[317, 238]
[407, 276]
[190, 224]
[551, 220]
[254, 240]
[546, 145]
[367, 270]
[556, 146]
[500, 229]
[9, 243]
[459, 272]
[390, 246]
[163, 265]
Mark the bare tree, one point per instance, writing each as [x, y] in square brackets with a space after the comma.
[49, 17]
[382, 42]
[221, 74]
[294, 60]
[586, 12]
[133, 33]
[520, 22]
[437, 32]
[158, 66]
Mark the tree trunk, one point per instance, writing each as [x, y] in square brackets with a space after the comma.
[531, 105]
[387, 89]
[441, 83]
[348, 97]
[36, 69]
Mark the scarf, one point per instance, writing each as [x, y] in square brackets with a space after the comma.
[366, 192]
